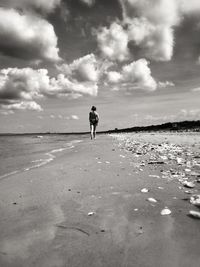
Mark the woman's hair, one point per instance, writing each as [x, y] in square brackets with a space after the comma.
[93, 108]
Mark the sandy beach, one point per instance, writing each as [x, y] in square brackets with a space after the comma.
[100, 204]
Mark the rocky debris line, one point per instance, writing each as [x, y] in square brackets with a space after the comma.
[174, 162]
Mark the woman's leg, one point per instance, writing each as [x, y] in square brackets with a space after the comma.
[94, 130]
[91, 130]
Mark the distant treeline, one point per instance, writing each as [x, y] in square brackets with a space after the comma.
[169, 126]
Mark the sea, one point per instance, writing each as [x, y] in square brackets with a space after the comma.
[20, 153]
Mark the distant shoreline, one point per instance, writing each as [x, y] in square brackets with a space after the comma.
[169, 126]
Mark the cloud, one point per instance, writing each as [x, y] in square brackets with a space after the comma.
[113, 42]
[155, 41]
[27, 36]
[165, 84]
[23, 105]
[150, 26]
[114, 77]
[74, 117]
[146, 25]
[189, 114]
[3, 112]
[189, 7]
[88, 2]
[21, 86]
[63, 86]
[43, 5]
[82, 69]
[136, 75]
[197, 89]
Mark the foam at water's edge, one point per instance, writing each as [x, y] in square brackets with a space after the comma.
[50, 157]
[8, 174]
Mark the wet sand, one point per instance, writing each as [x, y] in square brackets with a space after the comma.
[86, 207]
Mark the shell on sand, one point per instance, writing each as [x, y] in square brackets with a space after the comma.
[151, 199]
[144, 190]
[165, 211]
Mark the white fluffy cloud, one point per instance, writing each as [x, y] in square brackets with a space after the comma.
[113, 42]
[165, 84]
[82, 69]
[156, 41]
[150, 26]
[23, 84]
[19, 88]
[114, 77]
[27, 36]
[23, 105]
[136, 75]
[63, 86]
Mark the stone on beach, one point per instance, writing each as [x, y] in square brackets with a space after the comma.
[144, 190]
[188, 184]
[91, 213]
[151, 199]
[195, 214]
[195, 200]
[165, 211]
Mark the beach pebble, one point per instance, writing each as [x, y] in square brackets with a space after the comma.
[135, 209]
[195, 214]
[195, 200]
[91, 213]
[188, 184]
[195, 174]
[188, 192]
[165, 211]
[151, 199]
[144, 190]
[179, 161]
[164, 157]
[154, 176]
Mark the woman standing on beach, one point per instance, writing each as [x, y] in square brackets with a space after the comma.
[93, 119]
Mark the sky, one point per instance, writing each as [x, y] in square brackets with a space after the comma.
[137, 61]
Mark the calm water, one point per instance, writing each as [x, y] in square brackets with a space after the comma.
[20, 153]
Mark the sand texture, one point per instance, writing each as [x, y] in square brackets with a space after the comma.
[113, 201]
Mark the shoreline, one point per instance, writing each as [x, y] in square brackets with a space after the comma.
[45, 158]
[86, 208]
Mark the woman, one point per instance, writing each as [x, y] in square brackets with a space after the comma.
[93, 119]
